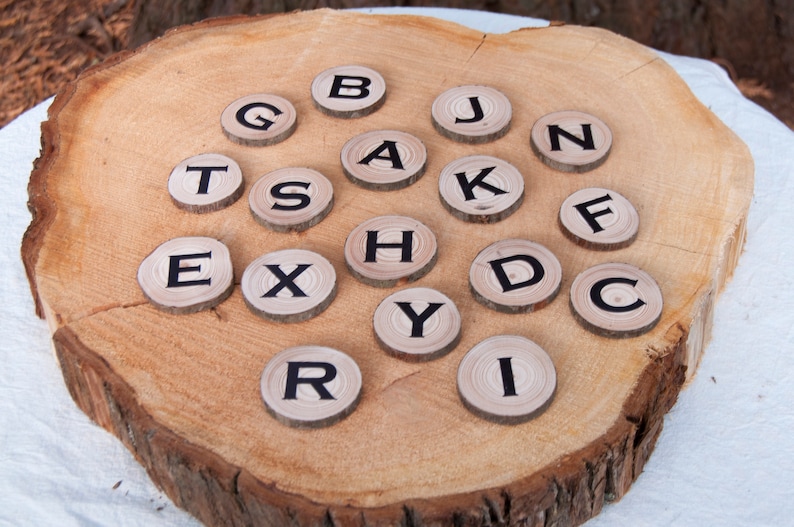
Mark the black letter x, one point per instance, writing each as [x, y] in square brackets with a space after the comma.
[287, 281]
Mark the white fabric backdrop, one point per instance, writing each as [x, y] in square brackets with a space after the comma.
[725, 457]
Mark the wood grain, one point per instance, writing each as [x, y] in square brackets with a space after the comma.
[384, 159]
[192, 412]
[507, 379]
[571, 140]
[206, 183]
[296, 392]
[598, 218]
[291, 199]
[417, 324]
[472, 114]
[481, 189]
[349, 91]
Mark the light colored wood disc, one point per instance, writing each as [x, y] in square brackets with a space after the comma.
[384, 159]
[417, 324]
[507, 379]
[481, 189]
[472, 114]
[515, 276]
[599, 218]
[291, 199]
[571, 141]
[310, 386]
[385, 250]
[290, 285]
[187, 275]
[616, 300]
[259, 120]
[348, 91]
[206, 182]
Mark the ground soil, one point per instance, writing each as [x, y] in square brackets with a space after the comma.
[46, 44]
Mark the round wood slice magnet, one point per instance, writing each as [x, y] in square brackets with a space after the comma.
[384, 159]
[186, 275]
[205, 183]
[616, 300]
[571, 141]
[472, 114]
[348, 91]
[598, 218]
[385, 250]
[507, 379]
[417, 324]
[259, 120]
[515, 276]
[291, 199]
[310, 386]
[481, 189]
[290, 285]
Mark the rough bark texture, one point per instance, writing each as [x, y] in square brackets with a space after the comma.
[569, 492]
[754, 39]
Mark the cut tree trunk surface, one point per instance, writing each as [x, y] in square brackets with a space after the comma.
[182, 391]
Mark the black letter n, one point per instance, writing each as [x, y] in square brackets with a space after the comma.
[586, 142]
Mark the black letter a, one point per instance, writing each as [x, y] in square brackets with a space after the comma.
[394, 155]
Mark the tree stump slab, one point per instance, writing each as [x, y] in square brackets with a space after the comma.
[182, 390]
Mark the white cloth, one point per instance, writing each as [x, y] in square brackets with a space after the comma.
[725, 456]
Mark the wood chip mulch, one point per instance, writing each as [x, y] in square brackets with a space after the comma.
[44, 44]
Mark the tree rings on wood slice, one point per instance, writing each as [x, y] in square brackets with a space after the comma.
[384, 159]
[616, 300]
[187, 275]
[507, 379]
[310, 386]
[205, 183]
[598, 218]
[259, 120]
[348, 91]
[417, 324]
[291, 199]
[515, 276]
[290, 285]
[481, 189]
[472, 114]
[385, 250]
[571, 141]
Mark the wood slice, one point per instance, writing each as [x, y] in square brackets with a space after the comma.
[571, 141]
[182, 391]
[349, 91]
[289, 285]
[599, 218]
[472, 114]
[205, 183]
[417, 324]
[187, 274]
[259, 119]
[481, 189]
[507, 368]
[311, 386]
[515, 276]
[384, 159]
[291, 199]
